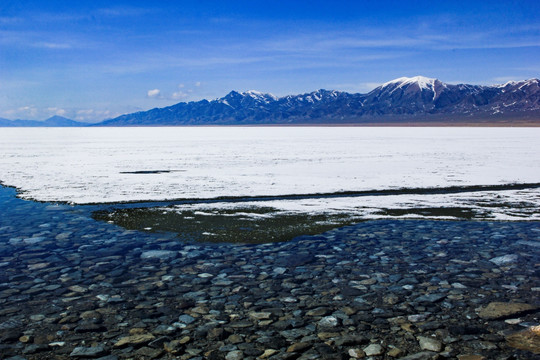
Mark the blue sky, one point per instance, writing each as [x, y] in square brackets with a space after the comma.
[92, 60]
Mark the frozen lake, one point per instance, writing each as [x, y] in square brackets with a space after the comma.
[107, 165]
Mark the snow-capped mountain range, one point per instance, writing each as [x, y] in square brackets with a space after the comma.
[401, 100]
[415, 99]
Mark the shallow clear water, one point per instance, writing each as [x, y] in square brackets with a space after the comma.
[66, 278]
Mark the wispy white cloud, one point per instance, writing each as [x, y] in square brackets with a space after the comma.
[93, 115]
[179, 95]
[21, 112]
[154, 93]
[57, 111]
[51, 45]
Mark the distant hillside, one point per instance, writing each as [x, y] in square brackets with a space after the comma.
[55, 121]
[400, 100]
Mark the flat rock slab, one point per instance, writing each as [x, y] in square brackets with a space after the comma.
[298, 347]
[373, 350]
[82, 352]
[505, 259]
[528, 340]
[139, 339]
[427, 343]
[501, 310]
[430, 298]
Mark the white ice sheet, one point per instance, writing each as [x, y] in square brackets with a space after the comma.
[88, 165]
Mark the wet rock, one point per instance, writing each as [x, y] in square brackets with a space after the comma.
[37, 317]
[430, 344]
[217, 334]
[164, 330]
[250, 350]
[174, 347]
[528, 340]
[57, 344]
[431, 325]
[418, 317]
[501, 310]
[234, 355]
[134, 340]
[259, 315]
[391, 299]
[88, 352]
[373, 350]
[320, 311]
[394, 352]
[298, 347]
[158, 254]
[186, 319]
[78, 289]
[505, 259]
[235, 339]
[148, 353]
[430, 298]
[267, 353]
[328, 322]
[356, 353]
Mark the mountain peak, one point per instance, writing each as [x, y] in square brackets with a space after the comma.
[519, 82]
[422, 82]
[259, 95]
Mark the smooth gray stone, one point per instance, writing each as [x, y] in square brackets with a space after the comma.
[88, 352]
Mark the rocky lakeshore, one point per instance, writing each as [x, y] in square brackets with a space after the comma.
[74, 288]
